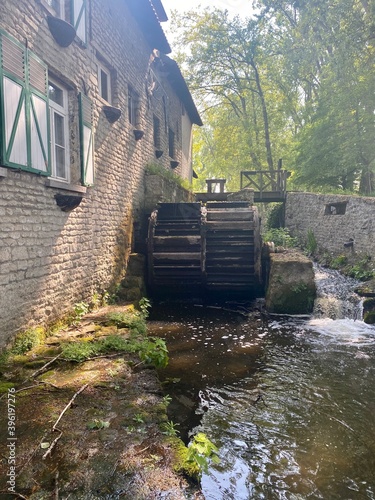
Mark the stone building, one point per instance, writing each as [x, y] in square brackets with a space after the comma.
[88, 98]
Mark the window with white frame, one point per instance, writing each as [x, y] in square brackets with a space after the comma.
[104, 83]
[57, 7]
[58, 103]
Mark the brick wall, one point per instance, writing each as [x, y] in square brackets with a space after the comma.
[334, 220]
[50, 259]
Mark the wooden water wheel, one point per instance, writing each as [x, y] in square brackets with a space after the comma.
[213, 248]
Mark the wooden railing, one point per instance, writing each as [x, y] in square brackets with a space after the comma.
[267, 184]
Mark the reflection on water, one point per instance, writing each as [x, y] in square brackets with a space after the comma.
[290, 403]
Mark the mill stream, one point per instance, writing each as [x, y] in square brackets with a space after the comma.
[289, 401]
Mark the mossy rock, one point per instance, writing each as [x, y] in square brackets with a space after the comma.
[369, 318]
[181, 465]
[291, 288]
[369, 311]
[366, 289]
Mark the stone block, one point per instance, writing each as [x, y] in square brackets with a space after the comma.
[291, 285]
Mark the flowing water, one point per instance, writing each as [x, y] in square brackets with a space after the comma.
[290, 402]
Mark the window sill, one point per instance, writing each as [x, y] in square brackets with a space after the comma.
[73, 188]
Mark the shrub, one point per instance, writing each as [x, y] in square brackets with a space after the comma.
[25, 341]
[311, 244]
[281, 237]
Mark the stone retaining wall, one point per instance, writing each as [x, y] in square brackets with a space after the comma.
[340, 224]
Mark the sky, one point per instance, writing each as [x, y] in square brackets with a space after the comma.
[234, 7]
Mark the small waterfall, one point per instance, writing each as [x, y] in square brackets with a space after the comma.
[336, 298]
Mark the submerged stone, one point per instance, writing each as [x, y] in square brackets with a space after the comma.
[291, 286]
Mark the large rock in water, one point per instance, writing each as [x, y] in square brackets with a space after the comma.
[368, 290]
[291, 285]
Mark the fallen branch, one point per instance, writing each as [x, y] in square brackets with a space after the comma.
[53, 444]
[18, 495]
[54, 428]
[42, 368]
[69, 405]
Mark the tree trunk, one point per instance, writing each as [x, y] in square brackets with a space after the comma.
[265, 123]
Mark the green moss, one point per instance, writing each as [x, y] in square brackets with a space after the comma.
[180, 455]
[369, 318]
[156, 169]
[19, 359]
[5, 386]
[135, 322]
[25, 341]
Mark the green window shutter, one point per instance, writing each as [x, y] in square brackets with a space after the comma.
[39, 114]
[79, 8]
[24, 104]
[87, 140]
[14, 147]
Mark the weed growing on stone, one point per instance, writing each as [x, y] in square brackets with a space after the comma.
[152, 351]
[135, 322]
[202, 451]
[27, 340]
[170, 429]
[280, 237]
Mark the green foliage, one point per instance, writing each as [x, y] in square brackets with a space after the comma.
[361, 270]
[170, 428]
[80, 309]
[97, 424]
[5, 386]
[25, 341]
[138, 418]
[338, 262]
[202, 451]
[154, 352]
[115, 343]
[145, 306]
[275, 216]
[80, 351]
[156, 169]
[299, 288]
[295, 82]
[280, 237]
[135, 322]
[311, 244]
[167, 399]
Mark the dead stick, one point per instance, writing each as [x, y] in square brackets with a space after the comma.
[69, 405]
[18, 495]
[53, 444]
[42, 368]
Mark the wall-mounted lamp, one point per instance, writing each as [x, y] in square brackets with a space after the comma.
[349, 244]
[62, 31]
[158, 153]
[174, 164]
[138, 134]
[112, 114]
